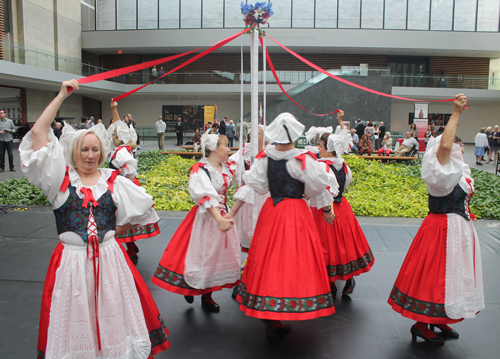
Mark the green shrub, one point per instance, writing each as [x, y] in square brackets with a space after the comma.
[21, 192]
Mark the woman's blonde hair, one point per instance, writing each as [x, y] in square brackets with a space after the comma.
[76, 149]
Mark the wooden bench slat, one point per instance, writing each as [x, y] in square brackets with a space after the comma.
[388, 158]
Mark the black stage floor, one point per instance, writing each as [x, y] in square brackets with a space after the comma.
[363, 327]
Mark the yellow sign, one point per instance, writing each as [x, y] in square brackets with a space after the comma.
[209, 114]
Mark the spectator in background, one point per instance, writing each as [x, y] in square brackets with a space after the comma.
[360, 128]
[414, 131]
[375, 137]
[481, 141]
[208, 126]
[196, 140]
[160, 74]
[56, 129]
[386, 145]
[133, 123]
[489, 135]
[428, 134]
[230, 132]
[98, 121]
[355, 141]
[365, 145]
[407, 145]
[381, 133]
[215, 129]
[154, 73]
[179, 131]
[238, 132]
[495, 143]
[161, 126]
[84, 121]
[7, 128]
[222, 126]
[91, 123]
[370, 131]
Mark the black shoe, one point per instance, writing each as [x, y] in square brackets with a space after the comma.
[134, 259]
[275, 334]
[12, 170]
[235, 292]
[449, 333]
[210, 307]
[189, 299]
[333, 289]
[416, 333]
[349, 287]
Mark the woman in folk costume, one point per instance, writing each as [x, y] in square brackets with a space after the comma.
[347, 251]
[203, 256]
[285, 276]
[95, 303]
[246, 218]
[314, 134]
[440, 281]
[124, 141]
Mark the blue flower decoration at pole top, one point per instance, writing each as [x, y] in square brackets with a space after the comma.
[256, 15]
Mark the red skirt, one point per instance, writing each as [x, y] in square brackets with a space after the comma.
[136, 233]
[419, 290]
[157, 330]
[347, 252]
[170, 272]
[285, 276]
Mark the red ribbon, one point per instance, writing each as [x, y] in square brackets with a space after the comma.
[194, 58]
[128, 148]
[136, 181]
[343, 80]
[302, 157]
[88, 197]
[194, 168]
[94, 244]
[65, 183]
[111, 179]
[203, 200]
[261, 154]
[271, 66]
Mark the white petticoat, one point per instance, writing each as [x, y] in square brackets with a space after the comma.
[213, 257]
[72, 324]
[464, 294]
[247, 216]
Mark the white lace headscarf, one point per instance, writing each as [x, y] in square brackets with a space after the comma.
[126, 133]
[314, 133]
[209, 142]
[340, 143]
[284, 129]
[70, 137]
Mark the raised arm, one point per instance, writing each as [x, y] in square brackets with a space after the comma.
[450, 131]
[42, 125]
[340, 116]
[114, 111]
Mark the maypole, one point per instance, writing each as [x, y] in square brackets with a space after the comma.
[254, 16]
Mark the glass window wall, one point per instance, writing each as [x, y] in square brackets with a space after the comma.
[442, 15]
[282, 14]
[105, 14]
[372, 14]
[213, 13]
[487, 15]
[169, 14]
[191, 14]
[465, 15]
[148, 14]
[395, 15]
[418, 14]
[126, 14]
[303, 13]
[326, 14]
[349, 14]
[233, 15]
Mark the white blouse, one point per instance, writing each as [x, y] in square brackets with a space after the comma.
[125, 162]
[441, 179]
[46, 169]
[209, 191]
[338, 163]
[314, 176]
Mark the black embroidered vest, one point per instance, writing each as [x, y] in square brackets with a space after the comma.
[456, 202]
[72, 217]
[281, 184]
[341, 176]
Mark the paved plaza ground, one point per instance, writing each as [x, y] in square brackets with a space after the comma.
[364, 326]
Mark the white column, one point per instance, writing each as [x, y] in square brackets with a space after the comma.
[264, 98]
[254, 60]
[242, 139]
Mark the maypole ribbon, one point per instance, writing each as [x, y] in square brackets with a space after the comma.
[273, 70]
[194, 58]
[349, 82]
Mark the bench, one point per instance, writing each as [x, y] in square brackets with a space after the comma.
[186, 154]
[192, 147]
[388, 158]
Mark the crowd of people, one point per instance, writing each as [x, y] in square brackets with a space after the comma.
[290, 217]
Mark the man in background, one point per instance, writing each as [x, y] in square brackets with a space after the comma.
[7, 128]
[360, 128]
[179, 131]
[161, 126]
[222, 126]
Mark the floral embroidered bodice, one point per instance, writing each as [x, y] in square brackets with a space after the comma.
[456, 202]
[281, 184]
[72, 217]
[341, 177]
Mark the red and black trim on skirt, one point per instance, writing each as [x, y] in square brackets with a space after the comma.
[417, 306]
[351, 267]
[172, 278]
[284, 305]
